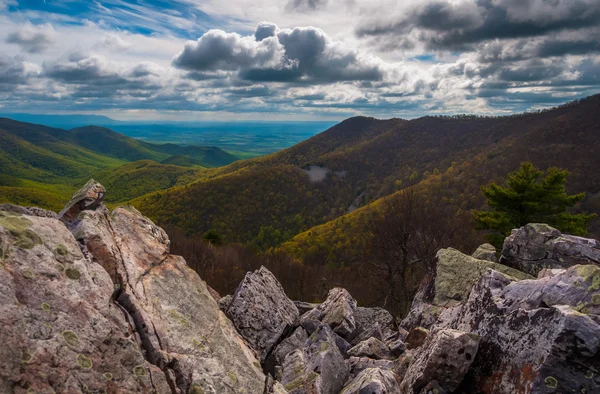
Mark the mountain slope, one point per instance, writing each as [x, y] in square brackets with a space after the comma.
[42, 165]
[366, 159]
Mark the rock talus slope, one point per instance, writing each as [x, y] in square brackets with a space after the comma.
[92, 301]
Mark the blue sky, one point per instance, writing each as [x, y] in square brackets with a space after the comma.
[295, 59]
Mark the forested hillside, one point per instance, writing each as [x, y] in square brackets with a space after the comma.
[42, 165]
[450, 158]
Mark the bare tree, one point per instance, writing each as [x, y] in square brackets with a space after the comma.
[404, 238]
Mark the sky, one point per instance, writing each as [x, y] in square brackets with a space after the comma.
[295, 59]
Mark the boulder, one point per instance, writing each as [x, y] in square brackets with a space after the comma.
[416, 337]
[337, 311]
[372, 348]
[537, 336]
[304, 307]
[450, 285]
[89, 197]
[486, 252]
[224, 302]
[373, 381]
[397, 347]
[59, 328]
[318, 367]
[295, 341]
[372, 322]
[445, 357]
[261, 311]
[359, 364]
[537, 246]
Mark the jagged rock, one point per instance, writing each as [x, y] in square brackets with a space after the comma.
[486, 252]
[261, 311]
[538, 336]
[454, 277]
[416, 337]
[318, 367]
[397, 347]
[31, 211]
[359, 364]
[401, 364]
[59, 329]
[337, 311]
[224, 302]
[372, 322]
[372, 348]
[304, 307]
[312, 325]
[537, 246]
[445, 357]
[549, 272]
[373, 381]
[89, 197]
[295, 341]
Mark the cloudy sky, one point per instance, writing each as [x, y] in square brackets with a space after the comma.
[295, 59]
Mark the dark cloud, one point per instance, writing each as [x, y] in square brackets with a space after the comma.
[32, 39]
[301, 55]
[12, 71]
[305, 5]
[440, 25]
[218, 50]
[265, 30]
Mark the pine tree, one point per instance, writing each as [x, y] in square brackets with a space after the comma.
[531, 198]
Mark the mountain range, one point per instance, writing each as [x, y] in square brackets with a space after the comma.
[308, 199]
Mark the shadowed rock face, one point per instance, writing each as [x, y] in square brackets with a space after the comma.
[538, 246]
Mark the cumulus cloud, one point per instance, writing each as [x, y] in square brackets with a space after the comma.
[302, 54]
[32, 38]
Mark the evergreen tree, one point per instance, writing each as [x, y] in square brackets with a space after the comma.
[531, 198]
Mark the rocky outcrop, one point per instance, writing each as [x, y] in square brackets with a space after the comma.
[89, 197]
[486, 252]
[337, 311]
[93, 301]
[456, 274]
[445, 358]
[106, 308]
[373, 381]
[318, 367]
[261, 311]
[537, 246]
[59, 330]
[527, 342]
[372, 348]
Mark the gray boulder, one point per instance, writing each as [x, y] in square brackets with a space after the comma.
[359, 364]
[261, 311]
[224, 302]
[337, 311]
[486, 252]
[318, 367]
[372, 322]
[295, 341]
[538, 336]
[304, 307]
[455, 275]
[373, 381]
[445, 357]
[372, 348]
[537, 246]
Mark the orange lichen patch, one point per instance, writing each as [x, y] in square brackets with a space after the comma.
[526, 378]
[491, 383]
